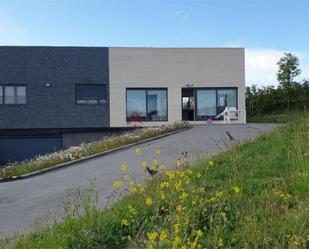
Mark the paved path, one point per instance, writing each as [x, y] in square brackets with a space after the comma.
[23, 202]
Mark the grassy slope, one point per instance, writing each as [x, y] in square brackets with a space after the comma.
[284, 117]
[270, 211]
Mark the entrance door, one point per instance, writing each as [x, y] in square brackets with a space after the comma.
[188, 103]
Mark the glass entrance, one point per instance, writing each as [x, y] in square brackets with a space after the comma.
[188, 103]
[206, 103]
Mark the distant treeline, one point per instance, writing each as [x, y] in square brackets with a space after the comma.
[269, 100]
[290, 95]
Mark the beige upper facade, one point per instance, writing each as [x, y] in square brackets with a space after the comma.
[172, 68]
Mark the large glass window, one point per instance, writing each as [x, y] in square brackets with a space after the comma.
[206, 104]
[156, 100]
[226, 98]
[146, 105]
[90, 94]
[136, 105]
[12, 94]
[211, 102]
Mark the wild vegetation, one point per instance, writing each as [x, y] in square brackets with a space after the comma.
[253, 196]
[77, 152]
[289, 96]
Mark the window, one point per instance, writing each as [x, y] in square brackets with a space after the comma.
[21, 95]
[11, 94]
[206, 104]
[146, 105]
[226, 98]
[87, 94]
[211, 102]
[136, 104]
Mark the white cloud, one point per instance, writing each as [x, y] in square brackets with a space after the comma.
[182, 14]
[261, 65]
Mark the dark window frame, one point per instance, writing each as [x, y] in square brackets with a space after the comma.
[93, 104]
[196, 117]
[146, 89]
[15, 94]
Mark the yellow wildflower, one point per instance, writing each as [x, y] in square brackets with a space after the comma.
[157, 151]
[183, 196]
[126, 177]
[155, 162]
[152, 236]
[124, 222]
[220, 243]
[124, 167]
[219, 194]
[199, 233]
[138, 151]
[162, 195]
[133, 190]
[237, 190]
[164, 185]
[141, 188]
[163, 235]
[144, 164]
[180, 208]
[223, 214]
[210, 163]
[170, 174]
[132, 209]
[149, 201]
[178, 185]
[176, 228]
[176, 242]
[132, 183]
[129, 238]
[118, 184]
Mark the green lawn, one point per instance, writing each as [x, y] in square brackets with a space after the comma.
[254, 196]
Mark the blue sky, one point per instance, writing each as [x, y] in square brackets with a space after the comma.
[266, 28]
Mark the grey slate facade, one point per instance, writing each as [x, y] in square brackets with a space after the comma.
[53, 107]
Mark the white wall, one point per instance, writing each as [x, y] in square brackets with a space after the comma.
[172, 68]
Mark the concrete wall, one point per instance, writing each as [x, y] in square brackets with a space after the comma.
[172, 68]
[53, 107]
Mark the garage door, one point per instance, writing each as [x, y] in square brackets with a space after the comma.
[20, 148]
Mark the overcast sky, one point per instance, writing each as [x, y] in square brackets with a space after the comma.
[266, 28]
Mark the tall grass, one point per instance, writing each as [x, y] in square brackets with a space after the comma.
[253, 196]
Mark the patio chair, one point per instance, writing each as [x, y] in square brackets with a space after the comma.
[229, 113]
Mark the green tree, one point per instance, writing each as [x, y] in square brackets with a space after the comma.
[288, 70]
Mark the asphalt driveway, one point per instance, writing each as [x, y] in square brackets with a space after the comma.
[26, 202]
